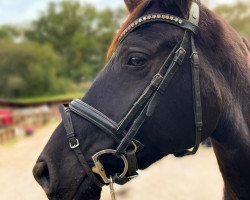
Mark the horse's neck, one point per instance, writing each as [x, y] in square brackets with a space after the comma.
[232, 137]
[232, 149]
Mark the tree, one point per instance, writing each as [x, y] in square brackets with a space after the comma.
[29, 69]
[9, 32]
[79, 34]
[238, 15]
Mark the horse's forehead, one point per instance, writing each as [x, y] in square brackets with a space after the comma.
[153, 36]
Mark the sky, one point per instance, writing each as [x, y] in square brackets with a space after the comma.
[24, 11]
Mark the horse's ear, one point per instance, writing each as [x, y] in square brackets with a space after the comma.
[132, 4]
[183, 5]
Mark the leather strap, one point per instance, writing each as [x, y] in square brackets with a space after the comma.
[74, 144]
[195, 63]
[138, 105]
[173, 68]
[132, 170]
[133, 165]
[163, 17]
[96, 117]
[132, 132]
[195, 67]
[151, 104]
[106, 124]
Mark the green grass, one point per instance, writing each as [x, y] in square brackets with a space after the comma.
[49, 98]
[82, 88]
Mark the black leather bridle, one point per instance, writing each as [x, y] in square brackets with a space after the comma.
[125, 131]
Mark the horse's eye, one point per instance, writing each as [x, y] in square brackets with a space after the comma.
[137, 61]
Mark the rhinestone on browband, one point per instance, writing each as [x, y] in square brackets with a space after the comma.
[151, 17]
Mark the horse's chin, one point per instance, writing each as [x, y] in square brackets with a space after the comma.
[88, 191]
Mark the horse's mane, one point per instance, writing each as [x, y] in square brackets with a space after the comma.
[229, 63]
[246, 43]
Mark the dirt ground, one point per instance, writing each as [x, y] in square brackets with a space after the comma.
[191, 178]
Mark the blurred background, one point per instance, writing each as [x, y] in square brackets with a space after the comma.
[50, 52]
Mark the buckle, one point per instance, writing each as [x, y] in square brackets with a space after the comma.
[156, 80]
[73, 143]
[180, 55]
[195, 59]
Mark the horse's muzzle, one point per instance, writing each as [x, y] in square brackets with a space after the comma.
[42, 176]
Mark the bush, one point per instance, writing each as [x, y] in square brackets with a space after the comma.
[30, 69]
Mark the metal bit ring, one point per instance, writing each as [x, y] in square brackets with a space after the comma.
[99, 169]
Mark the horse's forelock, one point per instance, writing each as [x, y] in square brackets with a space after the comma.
[136, 12]
[184, 6]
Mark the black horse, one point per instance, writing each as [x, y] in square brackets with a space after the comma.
[136, 57]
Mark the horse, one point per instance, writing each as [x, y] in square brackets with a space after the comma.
[177, 74]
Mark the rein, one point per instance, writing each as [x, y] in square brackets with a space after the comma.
[125, 131]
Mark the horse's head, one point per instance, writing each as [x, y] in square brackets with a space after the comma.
[149, 87]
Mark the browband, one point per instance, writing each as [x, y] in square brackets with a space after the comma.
[170, 19]
[191, 24]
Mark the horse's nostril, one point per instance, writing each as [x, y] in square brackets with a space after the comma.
[41, 174]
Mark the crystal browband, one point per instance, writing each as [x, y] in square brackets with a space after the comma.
[185, 24]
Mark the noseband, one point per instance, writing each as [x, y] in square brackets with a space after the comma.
[125, 131]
